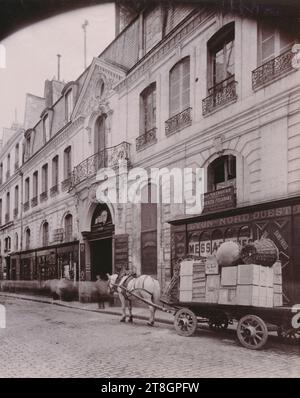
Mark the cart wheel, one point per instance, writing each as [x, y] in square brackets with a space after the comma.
[289, 336]
[218, 324]
[252, 332]
[185, 322]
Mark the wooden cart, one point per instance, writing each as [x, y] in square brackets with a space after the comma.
[254, 323]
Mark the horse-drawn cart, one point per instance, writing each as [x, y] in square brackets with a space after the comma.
[254, 323]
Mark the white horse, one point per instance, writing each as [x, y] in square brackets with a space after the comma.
[144, 286]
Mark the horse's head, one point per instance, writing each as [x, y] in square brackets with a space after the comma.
[112, 279]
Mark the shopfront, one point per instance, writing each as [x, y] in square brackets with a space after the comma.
[52, 262]
[278, 221]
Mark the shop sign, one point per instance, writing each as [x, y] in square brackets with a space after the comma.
[218, 200]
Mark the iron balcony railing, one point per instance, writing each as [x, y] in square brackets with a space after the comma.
[146, 139]
[272, 69]
[109, 157]
[178, 122]
[219, 95]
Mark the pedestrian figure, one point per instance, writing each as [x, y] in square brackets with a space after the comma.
[103, 290]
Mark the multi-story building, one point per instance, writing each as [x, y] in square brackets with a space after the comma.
[180, 86]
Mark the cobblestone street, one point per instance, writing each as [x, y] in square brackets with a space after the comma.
[43, 340]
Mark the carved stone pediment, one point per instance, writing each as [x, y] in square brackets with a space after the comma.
[98, 85]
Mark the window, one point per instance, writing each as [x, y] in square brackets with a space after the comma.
[16, 241]
[7, 244]
[69, 105]
[28, 146]
[16, 201]
[1, 173]
[100, 134]
[17, 154]
[45, 233]
[180, 87]
[273, 41]
[7, 215]
[45, 178]
[46, 129]
[35, 184]
[1, 211]
[221, 56]
[27, 238]
[101, 88]
[222, 173]
[27, 184]
[55, 171]
[148, 109]
[67, 163]
[8, 166]
[68, 227]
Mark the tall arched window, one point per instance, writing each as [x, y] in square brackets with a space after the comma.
[100, 129]
[27, 238]
[180, 87]
[16, 241]
[45, 233]
[17, 155]
[222, 173]
[68, 227]
[148, 109]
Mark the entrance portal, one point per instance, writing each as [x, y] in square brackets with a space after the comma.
[101, 257]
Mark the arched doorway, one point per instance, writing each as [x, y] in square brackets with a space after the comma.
[101, 241]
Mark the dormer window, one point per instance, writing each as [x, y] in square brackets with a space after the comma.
[46, 128]
[69, 105]
[101, 88]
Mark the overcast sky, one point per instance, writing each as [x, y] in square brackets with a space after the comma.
[31, 54]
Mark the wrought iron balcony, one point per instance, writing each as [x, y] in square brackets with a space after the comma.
[109, 157]
[44, 196]
[219, 95]
[146, 139]
[179, 122]
[54, 190]
[66, 184]
[16, 212]
[26, 206]
[272, 69]
[34, 201]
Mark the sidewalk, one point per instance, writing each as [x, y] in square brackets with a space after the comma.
[138, 312]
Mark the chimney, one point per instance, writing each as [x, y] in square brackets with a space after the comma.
[52, 91]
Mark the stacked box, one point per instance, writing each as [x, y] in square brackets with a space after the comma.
[229, 276]
[212, 288]
[199, 282]
[211, 266]
[227, 293]
[277, 284]
[248, 295]
[186, 281]
[248, 274]
[255, 285]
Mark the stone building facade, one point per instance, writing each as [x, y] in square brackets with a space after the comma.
[180, 86]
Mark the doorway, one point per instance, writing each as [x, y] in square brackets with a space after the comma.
[101, 257]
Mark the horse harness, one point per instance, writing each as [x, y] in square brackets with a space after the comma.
[129, 278]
